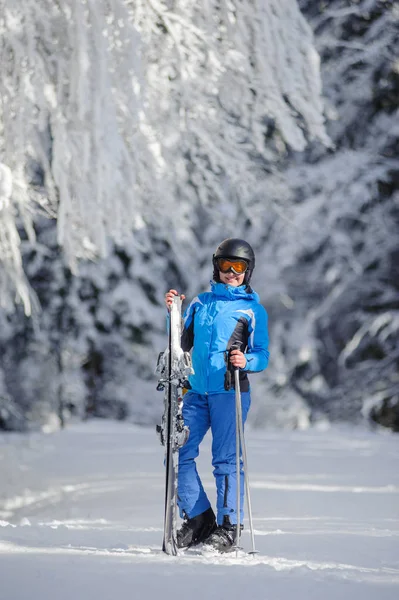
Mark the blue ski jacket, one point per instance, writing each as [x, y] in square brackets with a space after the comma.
[214, 322]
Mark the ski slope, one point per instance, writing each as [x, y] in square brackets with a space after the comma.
[81, 518]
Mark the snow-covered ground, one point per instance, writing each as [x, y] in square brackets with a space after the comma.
[81, 518]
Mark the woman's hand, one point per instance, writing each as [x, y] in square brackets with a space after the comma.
[169, 297]
[237, 359]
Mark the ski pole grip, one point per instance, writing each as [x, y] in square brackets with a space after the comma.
[235, 346]
[230, 368]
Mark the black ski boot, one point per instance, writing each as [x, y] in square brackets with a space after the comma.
[224, 537]
[196, 530]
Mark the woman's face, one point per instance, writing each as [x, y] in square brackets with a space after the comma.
[231, 278]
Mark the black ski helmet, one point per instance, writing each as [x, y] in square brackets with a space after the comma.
[234, 248]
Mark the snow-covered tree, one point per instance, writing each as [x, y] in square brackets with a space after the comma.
[202, 132]
[117, 114]
[332, 253]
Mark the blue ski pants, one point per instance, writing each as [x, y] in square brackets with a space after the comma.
[218, 412]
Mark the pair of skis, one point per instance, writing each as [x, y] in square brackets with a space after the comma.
[174, 366]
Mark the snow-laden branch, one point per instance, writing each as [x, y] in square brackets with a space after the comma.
[12, 277]
[111, 109]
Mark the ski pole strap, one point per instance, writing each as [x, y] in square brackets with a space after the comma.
[227, 380]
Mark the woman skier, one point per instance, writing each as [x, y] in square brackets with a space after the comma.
[225, 328]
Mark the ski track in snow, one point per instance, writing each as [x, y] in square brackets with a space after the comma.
[81, 516]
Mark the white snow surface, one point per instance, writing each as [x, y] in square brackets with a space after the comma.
[81, 517]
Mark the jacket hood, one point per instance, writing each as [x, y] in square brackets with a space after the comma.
[230, 292]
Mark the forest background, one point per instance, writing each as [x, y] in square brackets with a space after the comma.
[135, 136]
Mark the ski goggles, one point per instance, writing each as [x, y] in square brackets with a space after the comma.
[238, 266]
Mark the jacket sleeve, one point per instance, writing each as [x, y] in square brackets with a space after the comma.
[257, 354]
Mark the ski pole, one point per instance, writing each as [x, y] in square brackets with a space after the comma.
[240, 438]
[238, 462]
